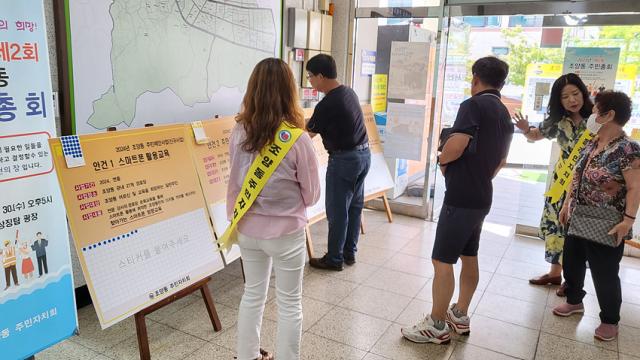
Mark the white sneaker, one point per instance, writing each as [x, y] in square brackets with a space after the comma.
[460, 325]
[426, 332]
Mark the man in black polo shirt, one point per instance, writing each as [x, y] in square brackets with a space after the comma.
[475, 150]
[338, 119]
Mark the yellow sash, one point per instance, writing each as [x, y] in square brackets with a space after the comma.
[259, 173]
[564, 169]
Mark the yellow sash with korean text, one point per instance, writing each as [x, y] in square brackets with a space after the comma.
[564, 169]
[257, 177]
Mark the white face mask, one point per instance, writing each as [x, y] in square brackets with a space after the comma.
[593, 125]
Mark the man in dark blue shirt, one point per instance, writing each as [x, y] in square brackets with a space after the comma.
[339, 120]
[473, 153]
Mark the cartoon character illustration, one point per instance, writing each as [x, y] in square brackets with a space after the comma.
[39, 246]
[9, 264]
[27, 264]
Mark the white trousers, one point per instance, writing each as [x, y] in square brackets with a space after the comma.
[288, 257]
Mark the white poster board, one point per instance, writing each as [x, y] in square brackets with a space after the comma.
[404, 132]
[408, 70]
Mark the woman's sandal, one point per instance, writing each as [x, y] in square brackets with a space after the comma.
[265, 355]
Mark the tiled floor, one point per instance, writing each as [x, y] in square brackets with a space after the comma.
[357, 313]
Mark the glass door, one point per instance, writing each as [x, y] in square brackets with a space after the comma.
[534, 46]
[395, 61]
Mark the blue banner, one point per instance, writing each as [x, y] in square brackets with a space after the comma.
[37, 305]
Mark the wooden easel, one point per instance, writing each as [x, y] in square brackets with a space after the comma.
[141, 326]
[633, 244]
[202, 285]
[315, 219]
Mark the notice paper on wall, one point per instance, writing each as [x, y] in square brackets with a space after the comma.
[404, 132]
[408, 70]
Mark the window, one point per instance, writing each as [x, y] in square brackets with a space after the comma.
[525, 21]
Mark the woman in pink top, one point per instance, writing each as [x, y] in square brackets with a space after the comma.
[272, 231]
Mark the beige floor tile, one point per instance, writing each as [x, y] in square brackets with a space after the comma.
[351, 328]
[316, 347]
[488, 263]
[518, 289]
[385, 239]
[520, 270]
[268, 333]
[628, 357]
[93, 337]
[357, 273]
[421, 246]
[492, 248]
[372, 356]
[414, 312]
[219, 280]
[578, 328]
[234, 269]
[630, 293]
[410, 264]
[554, 347]
[396, 282]
[393, 346]
[312, 311]
[176, 306]
[629, 340]
[373, 255]
[211, 352]
[471, 352]
[511, 310]
[502, 337]
[401, 230]
[375, 302]
[526, 254]
[164, 343]
[630, 315]
[69, 350]
[630, 275]
[194, 320]
[326, 288]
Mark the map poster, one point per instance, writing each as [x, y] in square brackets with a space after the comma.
[408, 70]
[214, 166]
[404, 134]
[597, 67]
[137, 214]
[37, 305]
[188, 59]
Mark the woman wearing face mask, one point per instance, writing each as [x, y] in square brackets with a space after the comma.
[608, 177]
[569, 106]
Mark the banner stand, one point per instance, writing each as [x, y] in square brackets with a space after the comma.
[315, 219]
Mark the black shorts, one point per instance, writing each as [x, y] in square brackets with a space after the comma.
[458, 233]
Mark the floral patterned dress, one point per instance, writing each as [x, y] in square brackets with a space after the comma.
[551, 231]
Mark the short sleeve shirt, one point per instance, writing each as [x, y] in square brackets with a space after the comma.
[468, 179]
[602, 182]
[339, 120]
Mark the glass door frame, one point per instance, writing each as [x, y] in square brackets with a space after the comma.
[607, 12]
[428, 12]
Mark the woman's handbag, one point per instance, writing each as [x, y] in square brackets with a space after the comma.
[594, 223]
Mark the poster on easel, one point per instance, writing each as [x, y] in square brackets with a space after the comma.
[378, 179]
[213, 164]
[37, 305]
[138, 216]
